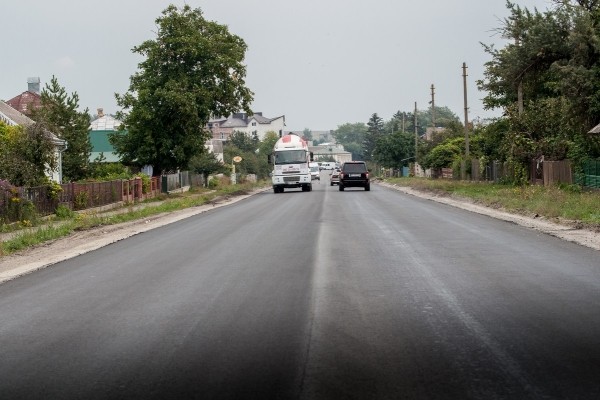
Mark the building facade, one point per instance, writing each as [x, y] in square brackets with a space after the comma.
[255, 124]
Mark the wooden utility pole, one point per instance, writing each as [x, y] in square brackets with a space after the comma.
[433, 106]
[466, 111]
[416, 135]
[520, 85]
[403, 118]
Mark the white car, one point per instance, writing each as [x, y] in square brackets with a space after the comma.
[314, 171]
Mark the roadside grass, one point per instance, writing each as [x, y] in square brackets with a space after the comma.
[567, 202]
[67, 223]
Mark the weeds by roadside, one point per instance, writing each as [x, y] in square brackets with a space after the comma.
[553, 202]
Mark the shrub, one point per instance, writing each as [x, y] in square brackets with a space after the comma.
[63, 212]
[81, 200]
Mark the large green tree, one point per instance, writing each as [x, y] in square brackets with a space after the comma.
[192, 69]
[60, 114]
[546, 80]
[352, 136]
[374, 132]
[394, 150]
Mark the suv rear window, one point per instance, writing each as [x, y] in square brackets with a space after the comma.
[355, 168]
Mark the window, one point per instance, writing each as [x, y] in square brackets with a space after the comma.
[254, 124]
[222, 135]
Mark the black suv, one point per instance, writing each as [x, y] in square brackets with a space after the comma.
[354, 174]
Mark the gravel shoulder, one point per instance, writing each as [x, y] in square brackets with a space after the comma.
[39, 257]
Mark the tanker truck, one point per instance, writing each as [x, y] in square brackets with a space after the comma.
[290, 159]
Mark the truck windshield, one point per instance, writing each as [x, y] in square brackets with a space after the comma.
[290, 157]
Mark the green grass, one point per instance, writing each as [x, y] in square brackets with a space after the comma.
[569, 202]
[65, 225]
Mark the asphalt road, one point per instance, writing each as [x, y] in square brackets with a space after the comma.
[311, 295]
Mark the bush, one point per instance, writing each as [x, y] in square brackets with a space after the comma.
[213, 183]
[63, 212]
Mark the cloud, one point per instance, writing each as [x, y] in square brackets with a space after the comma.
[64, 62]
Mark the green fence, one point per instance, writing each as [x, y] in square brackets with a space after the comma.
[590, 177]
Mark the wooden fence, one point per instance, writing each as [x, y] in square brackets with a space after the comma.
[14, 202]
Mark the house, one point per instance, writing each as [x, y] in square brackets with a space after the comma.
[216, 147]
[12, 117]
[100, 129]
[327, 150]
[250, 124]
[29, 100]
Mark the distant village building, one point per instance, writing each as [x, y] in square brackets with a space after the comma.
[222, 128]
[100, 129]
[329, 150]
[12, 117]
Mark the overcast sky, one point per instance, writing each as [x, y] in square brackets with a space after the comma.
[321, 63]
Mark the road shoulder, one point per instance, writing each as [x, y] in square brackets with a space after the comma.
[568, 232]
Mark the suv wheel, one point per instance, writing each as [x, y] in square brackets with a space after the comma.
[340, 187]
[368, 187]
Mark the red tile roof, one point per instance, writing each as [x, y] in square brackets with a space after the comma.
[25, 102]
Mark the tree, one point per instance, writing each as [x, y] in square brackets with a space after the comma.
[26, 154]
[192, 70]
[59, 113]
[554, 65]
[442, 156]
[394, 150]
[352, 136]
[265, 147]
[244, 142]
[307, 135]
[206, 164]
[374, 132]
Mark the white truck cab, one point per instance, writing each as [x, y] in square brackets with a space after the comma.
[290, 159]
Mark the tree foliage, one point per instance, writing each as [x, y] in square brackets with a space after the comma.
[26, 154]
[192, 69]
[206, 164]
[394, 150]
[59, 113]
[553, 59]
[352, 137]
[372, 136]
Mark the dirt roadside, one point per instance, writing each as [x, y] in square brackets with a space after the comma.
[39, 257]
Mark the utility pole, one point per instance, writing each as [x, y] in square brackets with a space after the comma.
[464, 66]
[520, 85]
[403, 118]
[433, 106]
[416, 136]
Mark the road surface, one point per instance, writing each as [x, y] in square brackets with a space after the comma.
[311, 295]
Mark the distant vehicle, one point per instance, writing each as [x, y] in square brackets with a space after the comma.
[354, 174]
[290, 159]
[334, 177]
[315, 171]
[328, 165]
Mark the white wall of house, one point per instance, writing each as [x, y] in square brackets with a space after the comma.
[277, 125]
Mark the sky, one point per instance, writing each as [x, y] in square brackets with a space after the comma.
[320, 63]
